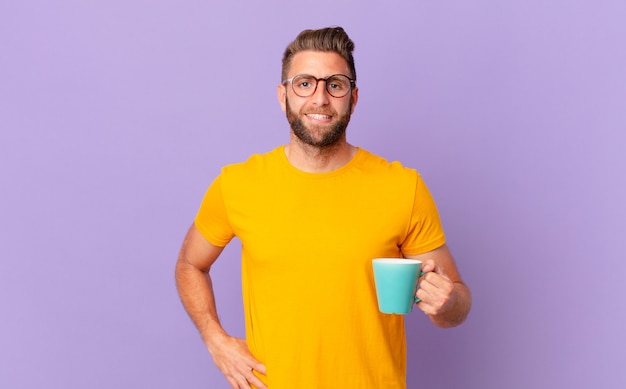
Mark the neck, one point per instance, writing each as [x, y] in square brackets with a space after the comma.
[313, 159]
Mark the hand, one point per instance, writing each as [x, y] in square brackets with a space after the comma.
[436, 290]
[233, 358]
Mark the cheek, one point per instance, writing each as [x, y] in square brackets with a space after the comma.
[294, 106]
[348, 107]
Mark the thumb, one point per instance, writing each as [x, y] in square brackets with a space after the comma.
[434, 267]
[430, 266]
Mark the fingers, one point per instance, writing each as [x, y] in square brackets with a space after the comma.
[237, 364]
[243, 380]
[258, 366]
[435, 291]
[251, 378]
[254, 380]
[242, 375]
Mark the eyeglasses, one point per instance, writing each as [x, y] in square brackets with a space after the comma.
[337, 85]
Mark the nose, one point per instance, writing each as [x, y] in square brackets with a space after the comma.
[321, 96]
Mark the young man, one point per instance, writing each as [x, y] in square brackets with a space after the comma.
[311, 215]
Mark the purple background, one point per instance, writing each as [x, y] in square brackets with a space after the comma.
[116, 115]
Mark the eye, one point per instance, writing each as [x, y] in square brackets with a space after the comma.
[338, 83]
[335, 85]
[304, 82]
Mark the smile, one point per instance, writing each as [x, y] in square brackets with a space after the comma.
[318, 116]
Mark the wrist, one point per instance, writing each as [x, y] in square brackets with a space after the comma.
[213, 335]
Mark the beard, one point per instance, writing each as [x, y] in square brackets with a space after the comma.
[329, 136]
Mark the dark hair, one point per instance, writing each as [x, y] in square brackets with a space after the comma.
[331, 39]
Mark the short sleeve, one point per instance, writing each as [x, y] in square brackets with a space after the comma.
[425, 230]
[212, 218]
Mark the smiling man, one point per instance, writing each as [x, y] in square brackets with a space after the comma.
[311, 215]
[325, 125]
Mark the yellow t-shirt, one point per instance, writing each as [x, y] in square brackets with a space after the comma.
[307, 244]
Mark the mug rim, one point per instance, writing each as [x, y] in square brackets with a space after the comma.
[402, 261]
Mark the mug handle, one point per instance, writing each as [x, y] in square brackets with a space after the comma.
[417, 300]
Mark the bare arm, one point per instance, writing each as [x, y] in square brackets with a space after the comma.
[231, 355]
[445, 298]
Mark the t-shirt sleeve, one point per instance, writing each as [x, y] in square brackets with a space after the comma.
[425, 231]
[212, 217]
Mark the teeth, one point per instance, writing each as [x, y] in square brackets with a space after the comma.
[318, 116]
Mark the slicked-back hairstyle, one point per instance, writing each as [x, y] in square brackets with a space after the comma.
[331, 39]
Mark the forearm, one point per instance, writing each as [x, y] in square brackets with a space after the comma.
[459, 306]
[196, 293]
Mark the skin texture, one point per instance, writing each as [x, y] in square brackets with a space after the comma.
[317, 144]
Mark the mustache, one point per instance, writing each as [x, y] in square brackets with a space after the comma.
[329, 112]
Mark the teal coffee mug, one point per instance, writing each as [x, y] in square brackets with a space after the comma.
[396, 283]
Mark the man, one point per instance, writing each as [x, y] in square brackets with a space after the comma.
[311, 215]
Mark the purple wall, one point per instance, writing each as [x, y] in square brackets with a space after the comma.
[116, 115]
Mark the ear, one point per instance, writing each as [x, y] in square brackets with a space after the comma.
[355, 98]
[281, 93]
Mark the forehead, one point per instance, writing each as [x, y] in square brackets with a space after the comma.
[318, 63]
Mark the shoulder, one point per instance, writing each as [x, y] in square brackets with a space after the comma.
[254, 164]
[373, 163]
